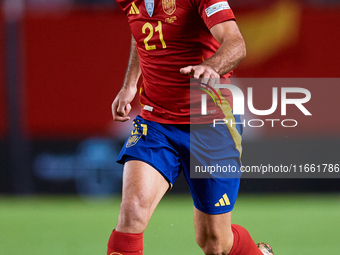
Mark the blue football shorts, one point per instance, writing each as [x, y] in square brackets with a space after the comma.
[208, 156]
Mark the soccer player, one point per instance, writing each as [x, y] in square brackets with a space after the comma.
[173, 40]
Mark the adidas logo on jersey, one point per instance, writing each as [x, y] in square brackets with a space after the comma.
[133, 9]
[223, 201]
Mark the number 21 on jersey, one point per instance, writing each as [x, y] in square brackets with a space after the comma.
[150, 28]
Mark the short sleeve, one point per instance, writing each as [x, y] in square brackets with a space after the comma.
[214, 11]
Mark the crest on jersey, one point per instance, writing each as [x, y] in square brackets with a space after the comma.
[169, 6]
[149, 5]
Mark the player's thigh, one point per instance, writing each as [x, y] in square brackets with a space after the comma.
[143, 188]
[213, 231]
[142, 181]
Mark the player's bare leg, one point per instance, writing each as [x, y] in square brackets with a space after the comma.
[143, 188]
[213, 232]
[217, 236]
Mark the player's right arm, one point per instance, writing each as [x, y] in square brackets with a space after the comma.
[121, 105]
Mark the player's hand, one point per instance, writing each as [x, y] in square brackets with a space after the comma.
[200, 71]
[121, 105]
[205, 72]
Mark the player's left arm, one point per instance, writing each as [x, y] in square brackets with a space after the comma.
[230, 53]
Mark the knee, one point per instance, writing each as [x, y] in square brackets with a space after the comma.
[133, 216]
[214, 244]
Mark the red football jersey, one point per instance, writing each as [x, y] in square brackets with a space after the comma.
[175, 35]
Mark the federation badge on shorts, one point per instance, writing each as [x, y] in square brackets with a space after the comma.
[133, 140]
[149, 5]
[169, 6]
